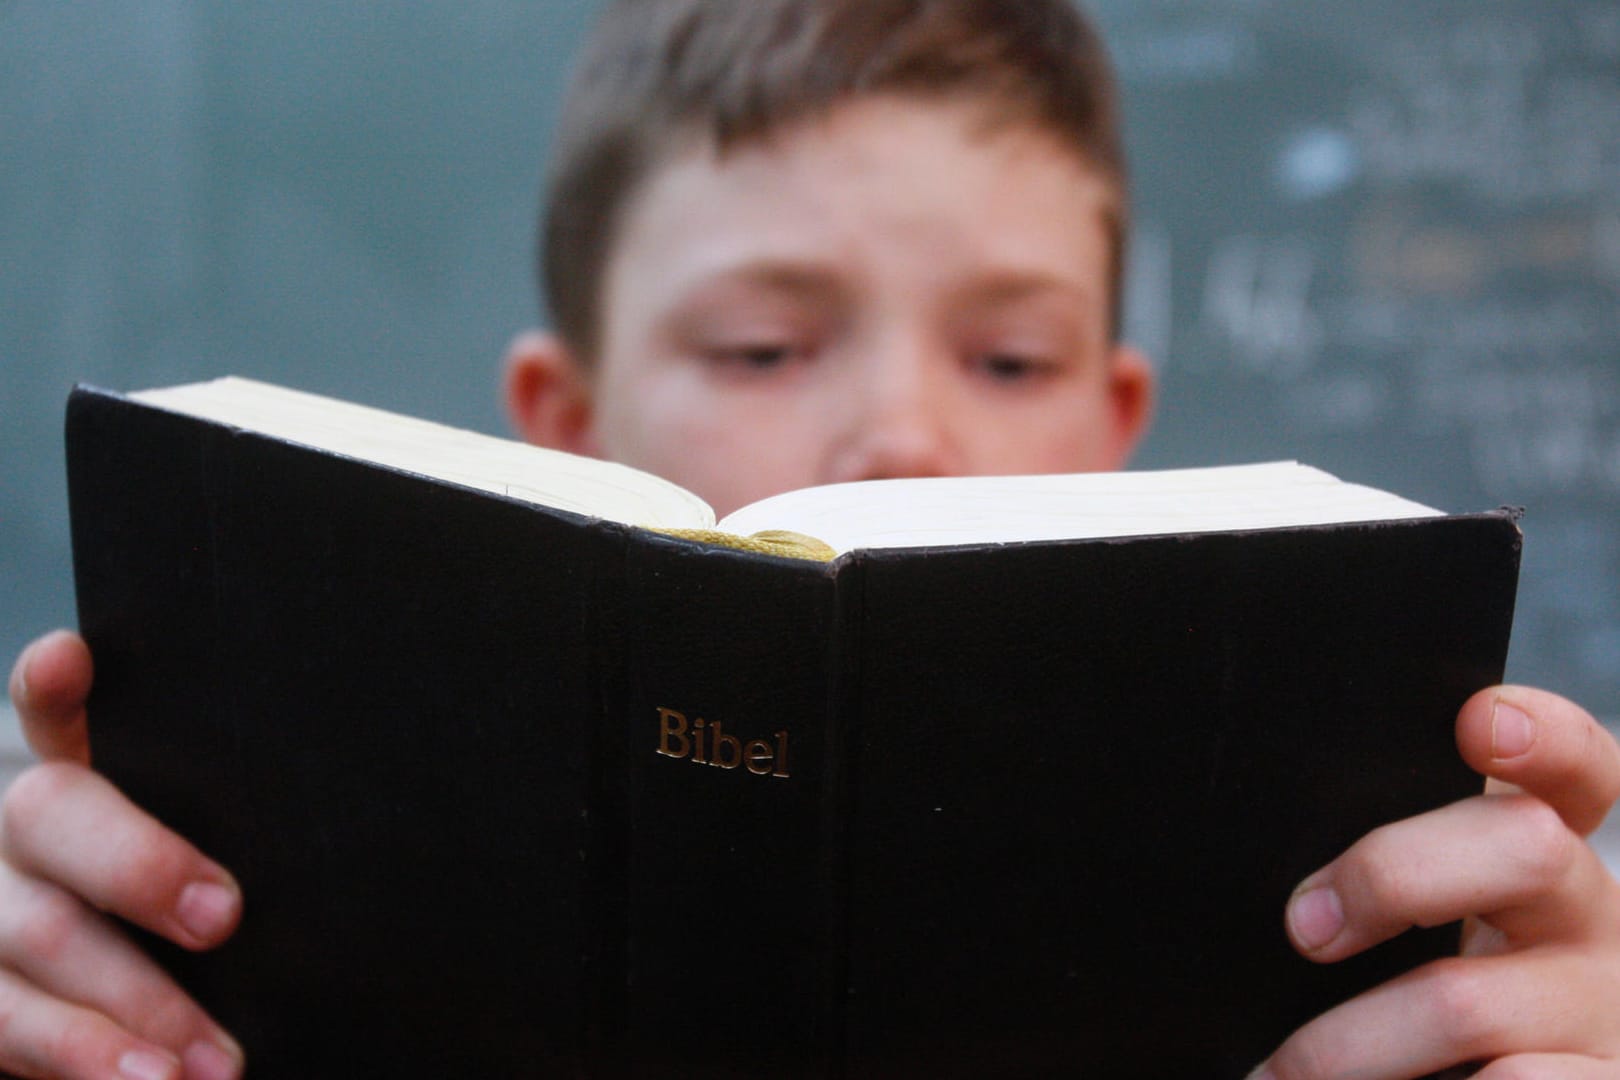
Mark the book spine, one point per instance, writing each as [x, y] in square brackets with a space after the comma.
[845, 718]
[727, 664]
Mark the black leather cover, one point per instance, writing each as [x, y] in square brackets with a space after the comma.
[1043, 806]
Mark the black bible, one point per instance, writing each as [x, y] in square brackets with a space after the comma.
[528, 769]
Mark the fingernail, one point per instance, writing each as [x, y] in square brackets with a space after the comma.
[1262, 1073]
[1512, 731]
[19, 678]
[148, 1065]
[206, 909]
[1315, 918]
[213, 1060]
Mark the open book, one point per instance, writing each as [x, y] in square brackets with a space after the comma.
[871, 514]
[516, 785]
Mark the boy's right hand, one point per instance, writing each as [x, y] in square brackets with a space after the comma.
[77, 997]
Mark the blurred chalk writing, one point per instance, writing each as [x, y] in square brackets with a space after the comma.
[1385, 237]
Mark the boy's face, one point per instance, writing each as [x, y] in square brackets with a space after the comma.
[895, 290]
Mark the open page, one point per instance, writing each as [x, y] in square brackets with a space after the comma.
[878, 513]
[570, 482]
[973, 509]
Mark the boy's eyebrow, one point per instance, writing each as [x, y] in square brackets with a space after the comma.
[800, 279]
[808, 280]
[1009, 286]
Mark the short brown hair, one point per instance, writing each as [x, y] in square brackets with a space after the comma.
[657, 72]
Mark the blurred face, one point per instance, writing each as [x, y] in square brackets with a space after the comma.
[894, 290]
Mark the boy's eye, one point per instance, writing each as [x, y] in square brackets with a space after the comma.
[1013, 367]
[759, 357]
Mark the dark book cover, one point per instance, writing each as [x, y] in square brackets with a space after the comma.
[1088, 782]
[377, 701]
[515, 792]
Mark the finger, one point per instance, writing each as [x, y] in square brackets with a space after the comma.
[1508, 859]
[1455, 1011]
[49, 685]
[68, 825]
[41, 1036]
[75, 955]
[1546, 745]
[1562, 1066]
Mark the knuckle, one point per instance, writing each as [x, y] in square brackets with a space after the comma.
[34, 792]
[1545, 849]
[45, 930]
[31, 800]
[1459, 1001]
[166, 1016]
[1377, 874]
[148, 873]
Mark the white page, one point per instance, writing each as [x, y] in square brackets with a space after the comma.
[583, 485]
[965, 510]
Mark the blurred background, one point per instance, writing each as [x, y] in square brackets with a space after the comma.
[1380, 237]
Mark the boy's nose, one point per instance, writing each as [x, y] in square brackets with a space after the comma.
[898, 425]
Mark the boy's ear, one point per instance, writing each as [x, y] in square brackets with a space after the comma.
[548, 394]
[1132, 388]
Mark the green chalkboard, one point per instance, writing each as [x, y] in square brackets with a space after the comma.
[337, 196]
[1384, 237]
[1380, 236]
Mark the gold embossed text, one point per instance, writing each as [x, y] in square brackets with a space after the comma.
[705, 742]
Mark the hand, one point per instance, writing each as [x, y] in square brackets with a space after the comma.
[1536, 990]
[78, 998]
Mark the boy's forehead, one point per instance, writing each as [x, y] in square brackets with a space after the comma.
[938, 145]
[875, 183]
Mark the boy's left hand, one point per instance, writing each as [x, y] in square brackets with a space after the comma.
[1536, 990]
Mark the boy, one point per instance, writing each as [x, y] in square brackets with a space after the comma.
[800, 241]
